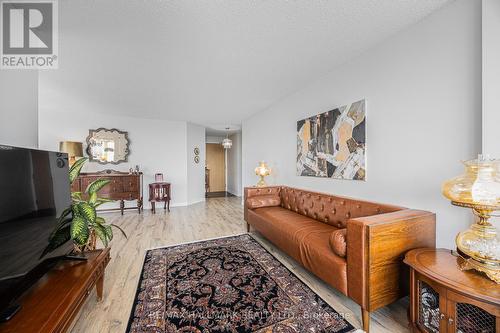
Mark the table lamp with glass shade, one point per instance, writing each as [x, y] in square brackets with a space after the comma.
[262, 171]
[479, 189]
[73, 149]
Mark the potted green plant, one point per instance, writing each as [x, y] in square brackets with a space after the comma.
[80, 222]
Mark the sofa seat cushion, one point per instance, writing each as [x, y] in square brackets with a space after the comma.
[304, 239]
[270, 200]
[292, 225]
[338, 242]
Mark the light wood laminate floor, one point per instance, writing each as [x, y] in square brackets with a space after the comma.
[216, 217]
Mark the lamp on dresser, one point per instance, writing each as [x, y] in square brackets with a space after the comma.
[73, 149]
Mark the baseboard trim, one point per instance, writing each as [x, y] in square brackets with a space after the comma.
[179, 204]
[195, 202]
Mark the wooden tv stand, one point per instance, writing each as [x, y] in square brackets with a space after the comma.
[52, 303]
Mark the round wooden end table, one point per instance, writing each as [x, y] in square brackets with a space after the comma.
[445, 299]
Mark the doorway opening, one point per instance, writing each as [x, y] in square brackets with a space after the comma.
[223, 165]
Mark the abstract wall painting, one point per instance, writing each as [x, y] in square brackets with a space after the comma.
[333, 144]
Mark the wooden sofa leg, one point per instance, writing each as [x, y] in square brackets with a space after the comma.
[366, 320]
[248, 227]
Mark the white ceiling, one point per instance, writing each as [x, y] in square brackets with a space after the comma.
[213, 62]
[221, 130]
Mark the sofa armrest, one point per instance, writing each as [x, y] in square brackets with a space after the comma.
[251, 192]
[376, 246]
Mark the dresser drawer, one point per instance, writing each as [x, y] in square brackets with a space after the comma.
[75, 186]
[130, 184]
[116, 187]
[86, 181]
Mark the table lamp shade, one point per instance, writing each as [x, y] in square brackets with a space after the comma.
[73, 149]
[479, 186]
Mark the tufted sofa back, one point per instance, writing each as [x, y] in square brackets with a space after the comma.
[330, 209]
[269, 190]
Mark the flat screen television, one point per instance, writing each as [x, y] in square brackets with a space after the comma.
[34, 191]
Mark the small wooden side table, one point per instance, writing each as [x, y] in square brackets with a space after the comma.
[159, 192]
[445, 299]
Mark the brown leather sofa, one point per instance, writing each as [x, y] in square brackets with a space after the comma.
[353, 245]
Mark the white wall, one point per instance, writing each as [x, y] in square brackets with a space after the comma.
[19, 108]
[214, 139]
[423, 93]
[157, 146]
[233, 156]
[491, 77]
[195, 171]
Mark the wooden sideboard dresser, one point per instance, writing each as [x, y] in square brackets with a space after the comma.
[124, 186]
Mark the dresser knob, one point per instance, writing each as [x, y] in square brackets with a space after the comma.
[450, 321]
[442, 316]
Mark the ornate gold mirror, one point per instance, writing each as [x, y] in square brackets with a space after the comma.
[108, 146]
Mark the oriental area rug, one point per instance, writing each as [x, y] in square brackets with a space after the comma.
[229, 284]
